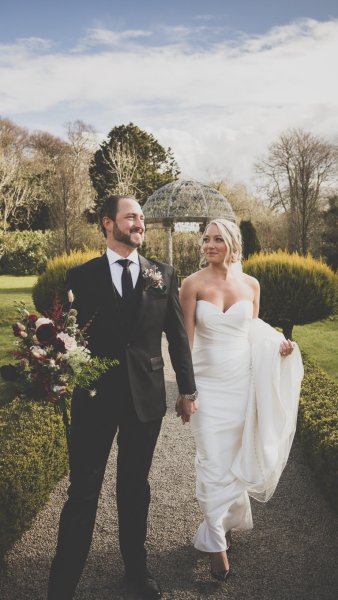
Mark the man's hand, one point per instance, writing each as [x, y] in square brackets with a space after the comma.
[185, 408]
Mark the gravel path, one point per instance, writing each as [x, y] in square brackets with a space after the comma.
[291, 554]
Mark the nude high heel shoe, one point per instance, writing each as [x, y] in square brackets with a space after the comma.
[217, 573]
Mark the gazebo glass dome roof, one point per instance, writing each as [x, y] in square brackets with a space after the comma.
[186, 201]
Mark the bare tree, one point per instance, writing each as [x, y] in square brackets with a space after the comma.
[65, 180]
[271, 229]
[15, 188]
[296, 169]
[120, 163]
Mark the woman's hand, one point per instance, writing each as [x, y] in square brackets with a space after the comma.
[286, 347]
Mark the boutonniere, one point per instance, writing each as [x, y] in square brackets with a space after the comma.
[154, 279]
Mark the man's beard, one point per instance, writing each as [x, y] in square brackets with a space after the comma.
[125, 238]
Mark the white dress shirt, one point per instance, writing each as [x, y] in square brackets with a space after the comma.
[116, 269]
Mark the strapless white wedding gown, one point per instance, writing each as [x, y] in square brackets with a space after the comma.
[248, 400]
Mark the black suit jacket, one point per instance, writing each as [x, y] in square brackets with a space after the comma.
[137, 344]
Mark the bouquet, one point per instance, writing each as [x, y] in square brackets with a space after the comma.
[52, 358]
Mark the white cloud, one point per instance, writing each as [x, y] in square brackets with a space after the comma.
[217, 107]
[98, 36]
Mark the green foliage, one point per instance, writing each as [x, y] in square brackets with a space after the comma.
[320, 342]
[134, 158]
[93, 370]
[318, 427]
[82, 237]
[294, 289]
[186, 252]
[12, 289]
[330, 235]
[24, 252]
[33, 457]
[186, 249]
[49, 288]
[250, 240]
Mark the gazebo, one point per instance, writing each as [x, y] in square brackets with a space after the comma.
[185, 201]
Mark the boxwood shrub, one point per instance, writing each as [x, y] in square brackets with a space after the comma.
[24, 252]
[318, 428]
[49, 287]
[33, 457]
[295, 290]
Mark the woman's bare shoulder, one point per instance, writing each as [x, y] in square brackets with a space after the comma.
[193, 281]
[251, 281]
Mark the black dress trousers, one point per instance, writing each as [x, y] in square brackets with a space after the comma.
[95, 422]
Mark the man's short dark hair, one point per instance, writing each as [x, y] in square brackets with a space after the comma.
[109, 209]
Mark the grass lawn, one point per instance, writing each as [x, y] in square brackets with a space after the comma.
[12, 289]
[320, 341]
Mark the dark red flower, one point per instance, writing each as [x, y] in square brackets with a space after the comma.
[18, 328]
[32, 318]
[59, 345]
[9, 372]
[46, 333]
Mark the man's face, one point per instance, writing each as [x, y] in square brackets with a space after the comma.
[128, 227]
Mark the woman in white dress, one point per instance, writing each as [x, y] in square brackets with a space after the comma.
[247, 390]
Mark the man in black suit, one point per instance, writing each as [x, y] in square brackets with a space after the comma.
[128, 302]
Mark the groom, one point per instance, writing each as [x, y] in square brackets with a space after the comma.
[126, 302]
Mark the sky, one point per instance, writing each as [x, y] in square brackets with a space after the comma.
[218, 81]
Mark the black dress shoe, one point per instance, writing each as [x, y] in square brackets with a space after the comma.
[145, 586]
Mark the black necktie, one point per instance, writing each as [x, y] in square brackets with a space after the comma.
[127, 282]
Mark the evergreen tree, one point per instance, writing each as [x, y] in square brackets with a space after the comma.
[131, 161]
[250, 240]
[330, 234]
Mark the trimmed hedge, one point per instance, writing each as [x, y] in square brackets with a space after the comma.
[50, 285]
[33, 457]
[295, 290]
[24, 252]
[318, 428]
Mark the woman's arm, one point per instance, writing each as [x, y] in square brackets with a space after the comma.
[287, 346]
[257, 293]
[188, 297]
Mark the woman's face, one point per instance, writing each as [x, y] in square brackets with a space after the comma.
[214, 247]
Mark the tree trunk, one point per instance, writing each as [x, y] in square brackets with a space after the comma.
[287, 330]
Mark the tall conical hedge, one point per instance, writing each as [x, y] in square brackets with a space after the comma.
[49, 288]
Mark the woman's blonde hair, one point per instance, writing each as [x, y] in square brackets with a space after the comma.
[231, 235]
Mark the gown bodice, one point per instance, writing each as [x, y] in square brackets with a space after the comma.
[221, 339]
[214, 326]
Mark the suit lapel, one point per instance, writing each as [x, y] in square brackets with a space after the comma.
[140, 314]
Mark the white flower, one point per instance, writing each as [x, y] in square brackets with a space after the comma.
[42, 321]
[69, 342]
[59, 389]
[77, 358]
[153, 278]
[92, 393]
[37, 352]
[71, 296]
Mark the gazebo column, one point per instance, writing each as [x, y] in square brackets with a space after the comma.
[169, 228]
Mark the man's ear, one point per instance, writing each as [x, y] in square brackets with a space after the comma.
[105, 221]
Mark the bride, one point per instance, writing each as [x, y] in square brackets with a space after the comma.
[248, 388]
